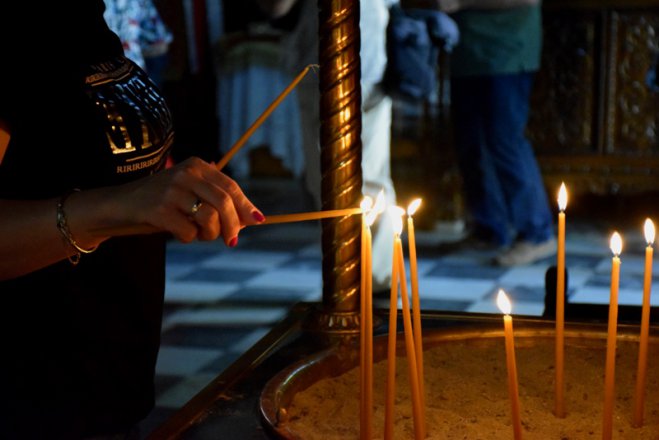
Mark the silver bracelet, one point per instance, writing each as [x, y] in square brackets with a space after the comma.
[63, 227]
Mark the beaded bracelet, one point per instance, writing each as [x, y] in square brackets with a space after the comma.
[63, 227]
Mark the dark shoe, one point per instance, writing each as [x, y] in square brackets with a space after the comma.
[524, 252]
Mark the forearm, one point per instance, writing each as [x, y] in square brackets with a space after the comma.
[30, 238]
[450, 6]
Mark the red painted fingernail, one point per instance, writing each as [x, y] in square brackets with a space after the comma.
[233, 242]
[258, 216]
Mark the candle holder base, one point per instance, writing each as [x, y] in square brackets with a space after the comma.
[484, 342]
[336, 328]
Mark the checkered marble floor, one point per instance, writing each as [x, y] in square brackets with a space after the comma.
[220, 301]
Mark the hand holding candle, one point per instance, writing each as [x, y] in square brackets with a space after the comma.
[560, 305]
[149, 229]
[641, 371]
[609, 374]
[504, 305]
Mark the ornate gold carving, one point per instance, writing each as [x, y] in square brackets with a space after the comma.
[340, 142]
[563, 100]
[634, 107]
[594, 117]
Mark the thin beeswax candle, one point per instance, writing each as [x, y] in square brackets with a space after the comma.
[416, 304]
[641, 372]
[367, 322]
[513, 390]
[609, 373]
[417, 412]
[390, 390]
[559, 384]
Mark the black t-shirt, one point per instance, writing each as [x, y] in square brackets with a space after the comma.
[79, 342]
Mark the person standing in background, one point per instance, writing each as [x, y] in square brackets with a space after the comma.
[249, 77]
[144, 35]
[492, 71]
[301, 49]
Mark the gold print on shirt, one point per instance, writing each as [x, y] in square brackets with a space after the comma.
[138, 124]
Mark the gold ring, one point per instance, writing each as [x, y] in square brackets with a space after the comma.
[195, 206]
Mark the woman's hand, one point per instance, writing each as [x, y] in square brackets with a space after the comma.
[192, 200]
[30, 239]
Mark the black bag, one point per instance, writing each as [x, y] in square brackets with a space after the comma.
[414, 40]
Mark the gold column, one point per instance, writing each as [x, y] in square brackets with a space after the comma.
[340, 143]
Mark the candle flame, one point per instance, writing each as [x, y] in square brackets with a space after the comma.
[370, 216]
[503, 302]
[372, 210]
[380, 203]
[366, 204]
[616, 244]
[413, 206]
[649, 231]
[396, 213]
[562, 197]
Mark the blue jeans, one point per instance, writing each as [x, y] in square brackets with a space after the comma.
[505, 195]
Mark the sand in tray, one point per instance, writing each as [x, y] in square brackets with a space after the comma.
[467, 394]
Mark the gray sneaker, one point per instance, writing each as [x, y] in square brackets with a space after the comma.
[524, 252]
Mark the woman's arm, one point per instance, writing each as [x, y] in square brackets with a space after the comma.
[30, 238]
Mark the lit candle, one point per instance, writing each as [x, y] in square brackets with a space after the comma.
[365, 360]
[370, 219]
[416, 303]
[390, 390]
[417, 408]
[645, 327]
[609, 373]
[506, 308]
[306, 216]
[136, 229]
[560, 305]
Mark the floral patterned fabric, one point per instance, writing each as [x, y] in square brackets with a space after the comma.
[140, 28]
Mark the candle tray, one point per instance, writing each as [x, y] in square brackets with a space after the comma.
[278, 394]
